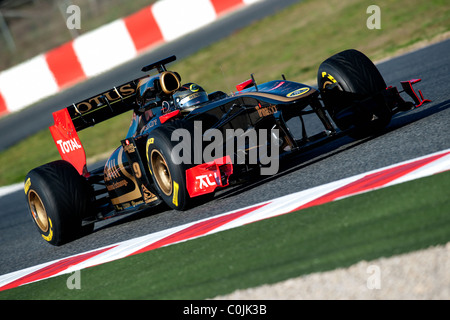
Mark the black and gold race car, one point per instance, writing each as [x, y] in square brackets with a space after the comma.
[183, 144]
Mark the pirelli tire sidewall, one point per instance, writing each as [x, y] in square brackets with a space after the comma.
[58, 198]
[171, 185]
[354, 73]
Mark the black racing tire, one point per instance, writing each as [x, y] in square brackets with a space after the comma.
[354, 74]
[58, 198]
[168, 174]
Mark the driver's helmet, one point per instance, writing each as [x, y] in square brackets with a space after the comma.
[189, 94]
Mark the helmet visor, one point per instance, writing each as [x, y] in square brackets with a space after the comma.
[193, 99]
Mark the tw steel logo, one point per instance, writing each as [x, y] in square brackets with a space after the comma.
[69, 145]
[112, 95]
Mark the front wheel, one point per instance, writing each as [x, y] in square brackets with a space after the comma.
[351, 87]
[167, 169]
[58, 199]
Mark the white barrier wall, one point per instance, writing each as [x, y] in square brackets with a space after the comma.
[84, 57]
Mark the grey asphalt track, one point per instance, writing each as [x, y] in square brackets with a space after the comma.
[416, 133]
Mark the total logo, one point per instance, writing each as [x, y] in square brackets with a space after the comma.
[205, 181]
[69, 145]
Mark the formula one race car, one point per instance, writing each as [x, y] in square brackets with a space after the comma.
[184, 144]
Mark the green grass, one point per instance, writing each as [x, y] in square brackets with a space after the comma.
[294, 42]
[382, 223]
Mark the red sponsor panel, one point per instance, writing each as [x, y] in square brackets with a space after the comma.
[223, 6]
[65, 66]
[206, 177]
[67, 141]
[244, 85]
[3, 108]
[169, 116]
[143, 29]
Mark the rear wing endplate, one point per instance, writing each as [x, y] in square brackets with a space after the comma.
[68, 142]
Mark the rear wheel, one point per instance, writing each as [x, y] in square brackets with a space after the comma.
[354, 98]
[58, 199]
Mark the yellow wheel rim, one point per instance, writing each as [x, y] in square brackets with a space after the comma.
[161, 172]
[38, 210]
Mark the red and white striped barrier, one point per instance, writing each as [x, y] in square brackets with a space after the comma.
[405, 171]
[106, 47]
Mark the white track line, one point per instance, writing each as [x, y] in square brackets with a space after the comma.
[387, 176]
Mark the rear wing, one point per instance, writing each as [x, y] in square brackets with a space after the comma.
[104, 106]
[87, 113]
